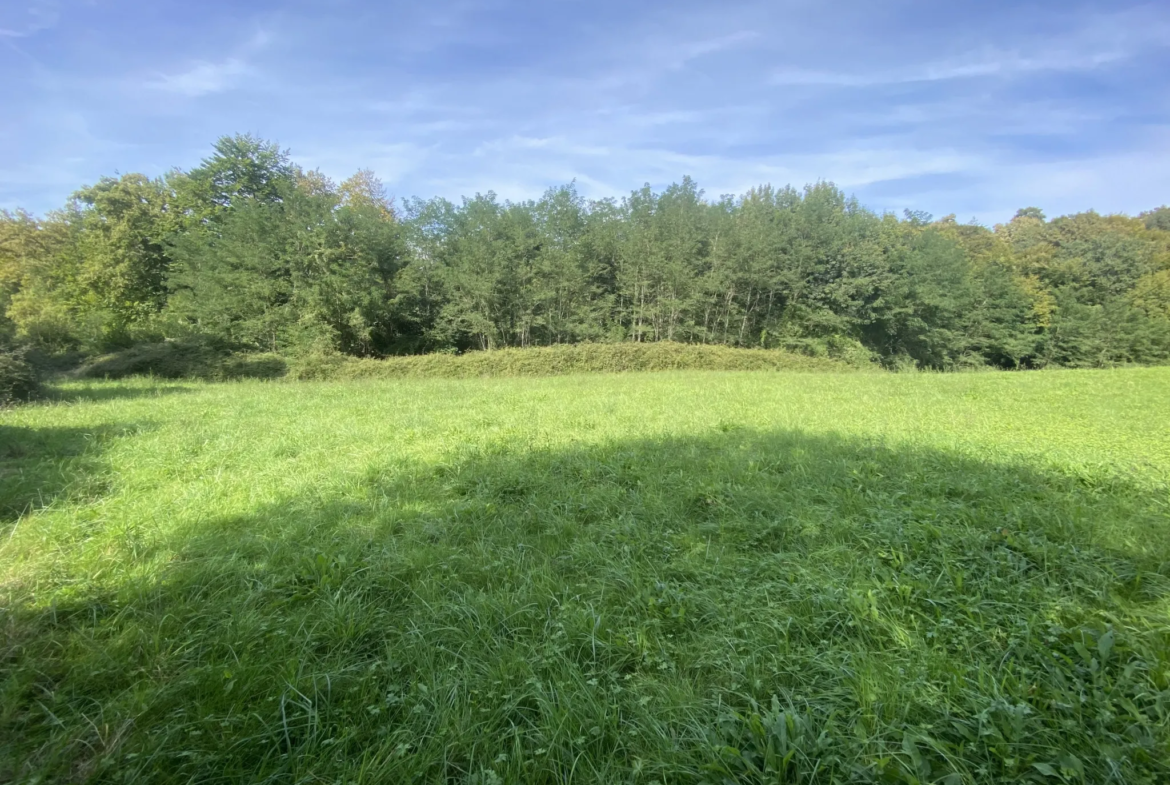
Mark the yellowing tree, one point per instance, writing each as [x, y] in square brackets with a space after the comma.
[364, 189]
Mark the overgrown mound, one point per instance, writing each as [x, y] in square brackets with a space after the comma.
[18, 378]
[565, 359]
[183, 360]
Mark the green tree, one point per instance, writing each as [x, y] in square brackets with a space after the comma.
[242, 169]
[1158, 218]
[39, 271]
[253, 250]
[290, 270]
[124, 224]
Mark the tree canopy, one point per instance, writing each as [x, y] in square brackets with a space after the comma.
[252, 251]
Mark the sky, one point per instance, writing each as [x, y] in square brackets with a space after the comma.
[970, 108]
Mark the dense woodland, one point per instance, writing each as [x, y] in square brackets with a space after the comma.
[253, 253]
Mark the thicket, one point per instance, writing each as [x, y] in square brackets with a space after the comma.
[561, 359]
[192, 359]
[249, 253]
[19, 380]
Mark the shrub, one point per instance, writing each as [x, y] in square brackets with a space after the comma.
[564, 359]
[186, 359]
[201, 359]
[18, 378]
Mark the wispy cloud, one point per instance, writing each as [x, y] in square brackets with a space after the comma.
[392, 161]
[952, 111]
[203, 77]
[708, 46]
[23, 21]
[995, 64]
[1089, 42]
[519, 167]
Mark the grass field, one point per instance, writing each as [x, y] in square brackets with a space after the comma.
[680, 577]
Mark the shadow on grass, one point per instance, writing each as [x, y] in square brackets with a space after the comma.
[741, 607]
[39, 466]
[184, 359]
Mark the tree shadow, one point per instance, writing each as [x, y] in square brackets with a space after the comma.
[184, 359]
[739, 607]
[41, 466]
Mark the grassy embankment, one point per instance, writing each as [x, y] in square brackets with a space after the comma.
[678, 577]
[179, 359]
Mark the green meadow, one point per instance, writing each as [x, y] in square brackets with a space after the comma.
[676, 577]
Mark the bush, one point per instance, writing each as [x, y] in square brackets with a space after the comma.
[564, 359]
[186, 359]
[202, 359]
[18, 378]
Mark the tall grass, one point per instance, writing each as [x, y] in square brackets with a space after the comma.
[677, 577]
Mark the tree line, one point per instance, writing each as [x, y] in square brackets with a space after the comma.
[253, 252]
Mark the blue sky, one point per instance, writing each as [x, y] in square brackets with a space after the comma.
[976, 108]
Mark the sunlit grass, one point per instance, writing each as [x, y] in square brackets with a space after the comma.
[681, 577]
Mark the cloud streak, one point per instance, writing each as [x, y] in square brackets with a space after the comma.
[1095, 41]
[28, 20]
[203, 78]
[1003, 65]
[943, 112]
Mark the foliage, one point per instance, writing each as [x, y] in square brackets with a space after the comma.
[38, 273]
[685, 577]
[243, 170]
[251, 250]
[123, 261]
[282, 264]
[563, 359]
[19, 380]
[183, 359]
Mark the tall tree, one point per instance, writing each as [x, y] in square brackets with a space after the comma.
[241, 170]
[39, 265]
[123, 228]
[252, 249]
